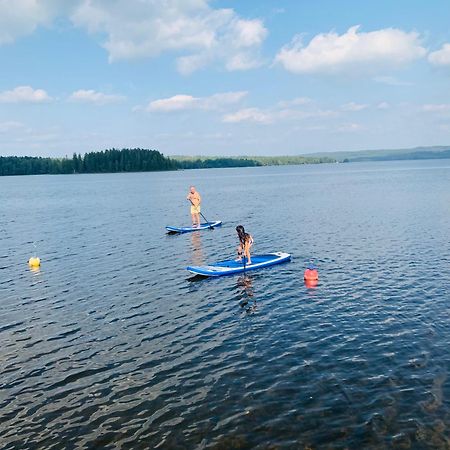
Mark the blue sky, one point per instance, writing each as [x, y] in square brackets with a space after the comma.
[223, 77]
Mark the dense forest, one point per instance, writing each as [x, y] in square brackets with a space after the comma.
[125, 160]
[143, 160]
[135, 160]
[211, 163]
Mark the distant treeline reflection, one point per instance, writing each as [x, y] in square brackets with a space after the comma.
[134, 160]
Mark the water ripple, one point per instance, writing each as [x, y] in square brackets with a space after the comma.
[108, 345]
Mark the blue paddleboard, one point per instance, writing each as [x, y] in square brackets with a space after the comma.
[231, 267]
[203, 226]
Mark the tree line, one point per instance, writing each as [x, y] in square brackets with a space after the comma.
[135, 160]
[212, 163]
[125, 160]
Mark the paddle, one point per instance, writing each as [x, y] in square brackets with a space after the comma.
[204, 218]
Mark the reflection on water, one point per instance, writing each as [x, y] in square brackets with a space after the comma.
[246, 292]
[311, 284]
[197, 258]
[107, 345]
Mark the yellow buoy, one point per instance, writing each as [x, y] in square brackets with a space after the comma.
[34, 261]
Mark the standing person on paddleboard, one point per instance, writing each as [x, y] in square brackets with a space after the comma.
[195, 199]
[245, 243]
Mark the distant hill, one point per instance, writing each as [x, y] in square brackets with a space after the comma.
[197, 162]
[204, 162]
[437, 152]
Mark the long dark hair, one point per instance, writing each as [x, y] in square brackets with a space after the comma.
[243, 236]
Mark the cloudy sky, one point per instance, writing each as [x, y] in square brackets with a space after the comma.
[223, 77]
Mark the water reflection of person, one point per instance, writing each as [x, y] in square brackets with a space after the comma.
[197, 251]
[245, 286]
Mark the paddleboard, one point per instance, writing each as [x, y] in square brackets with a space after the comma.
[231, 267]
[203, 226]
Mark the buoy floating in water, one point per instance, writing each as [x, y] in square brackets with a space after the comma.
[34, 261]
[311, 273]
[311, 276]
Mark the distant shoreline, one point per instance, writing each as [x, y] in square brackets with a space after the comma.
[144, 160]
[417, 153]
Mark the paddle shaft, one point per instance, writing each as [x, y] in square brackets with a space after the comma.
[204, 218]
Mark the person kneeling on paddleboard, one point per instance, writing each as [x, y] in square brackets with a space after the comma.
[245, 243]
[195, 199]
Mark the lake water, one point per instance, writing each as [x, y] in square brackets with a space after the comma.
[109, 345]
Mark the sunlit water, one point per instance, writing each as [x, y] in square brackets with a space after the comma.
[109, 345]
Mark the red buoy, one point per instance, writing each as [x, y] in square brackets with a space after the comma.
[311, 274]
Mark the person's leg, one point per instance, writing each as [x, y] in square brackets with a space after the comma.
[247, 253]
[193, 220]
[239, 252]
[198, 219]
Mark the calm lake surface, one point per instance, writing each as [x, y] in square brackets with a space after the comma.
[109, 345]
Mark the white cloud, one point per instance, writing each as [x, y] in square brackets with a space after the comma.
[248, 115]
[182, 102]
[146, 28]
[97, 98]
[151, 27]
[353, 107]
[20, 138]
[189, 64]
[353, 50]
[296, 114]
[175, 103]
[247, 33]
[392, 81]
[298, 101]
[437, 107]
[242, 61]
[21, 17]
[226, 98]
[440, 57]
[383, 105]
[282, 111]
[24, 94]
